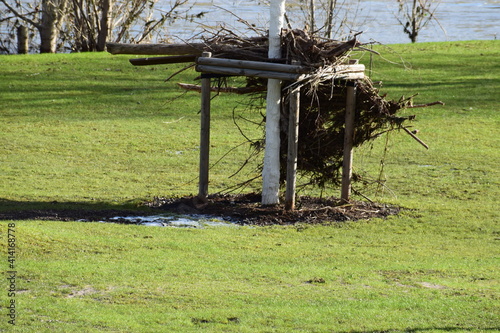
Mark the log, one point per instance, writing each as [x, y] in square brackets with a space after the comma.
[259, 65]
[352, 76]
[155, 49]
[163, 60]
[339, 72]
[247, 72]
[349, 68]
[173, 49]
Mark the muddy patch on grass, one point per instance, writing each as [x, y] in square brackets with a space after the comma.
[247, 210]
[244, 209]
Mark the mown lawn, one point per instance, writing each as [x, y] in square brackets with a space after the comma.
[90, 130]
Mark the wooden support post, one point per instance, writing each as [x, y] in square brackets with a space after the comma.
[348, 140]
[293, 140]
[204, 136]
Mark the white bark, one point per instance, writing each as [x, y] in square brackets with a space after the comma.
[53, 13]
[271, 170]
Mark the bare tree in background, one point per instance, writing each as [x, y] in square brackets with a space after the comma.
[46, 16]
[329, 18]
[86, 25]
[414, 15]
[332, 4]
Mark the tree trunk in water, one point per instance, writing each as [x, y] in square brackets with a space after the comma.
[271, 170]
[52, 15]
[22, 40]
[329, 22]
[104, 25]
[311, 16]
[414, 27]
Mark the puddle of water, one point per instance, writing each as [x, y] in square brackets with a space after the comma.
[178, 221]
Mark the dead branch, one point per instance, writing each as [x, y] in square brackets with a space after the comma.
[425, 105]
[416, 138]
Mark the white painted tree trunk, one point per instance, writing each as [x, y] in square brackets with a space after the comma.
[271, 171]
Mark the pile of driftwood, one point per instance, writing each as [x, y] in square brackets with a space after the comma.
[322, 101]
[323, 94]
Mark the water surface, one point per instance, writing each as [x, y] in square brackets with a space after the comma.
[456, 20]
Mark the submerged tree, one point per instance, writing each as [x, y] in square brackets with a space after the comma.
[415, 15]
[328, 18]
[47, 17]
[86, 25]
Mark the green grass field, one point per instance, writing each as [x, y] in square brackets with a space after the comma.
[92, 131]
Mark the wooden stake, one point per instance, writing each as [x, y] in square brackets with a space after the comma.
[204, 136]
[293, 140]
[348, 141]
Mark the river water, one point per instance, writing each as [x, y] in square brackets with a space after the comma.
[377, 19]
[455, 19]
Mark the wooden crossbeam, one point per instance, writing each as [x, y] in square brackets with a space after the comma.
[248, 72]
[259, 65]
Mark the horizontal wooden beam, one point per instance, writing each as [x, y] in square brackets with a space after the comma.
[248, 72]
[259, 65]
[349, 68]
[350, 76]
[342, 72]
[155, 49]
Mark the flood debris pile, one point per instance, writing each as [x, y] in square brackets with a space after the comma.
[245, 209]
[322, 119]
[322, 101]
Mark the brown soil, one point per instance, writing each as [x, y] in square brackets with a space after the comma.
[246, 209]
[242, 209]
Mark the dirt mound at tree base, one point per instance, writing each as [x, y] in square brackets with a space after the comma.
[247, 210]
[241, 209]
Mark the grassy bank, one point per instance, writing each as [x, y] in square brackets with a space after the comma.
[90, 130]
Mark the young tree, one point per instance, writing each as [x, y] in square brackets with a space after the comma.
[328, 18]
[271, 170]
[415, 15]
[88, 24]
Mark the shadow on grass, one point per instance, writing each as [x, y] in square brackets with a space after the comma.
[67, 211]
[444, 329]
